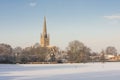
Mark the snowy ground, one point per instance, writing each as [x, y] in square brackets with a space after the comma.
[88, 71]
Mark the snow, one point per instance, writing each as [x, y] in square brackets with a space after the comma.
[88, 71]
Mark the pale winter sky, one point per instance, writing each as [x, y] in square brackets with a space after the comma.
[96, 23]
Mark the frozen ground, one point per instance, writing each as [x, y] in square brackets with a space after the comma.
[88, 71]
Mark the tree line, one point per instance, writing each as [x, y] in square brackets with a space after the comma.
[75, 52]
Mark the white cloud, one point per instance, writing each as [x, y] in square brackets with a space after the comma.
[112, 17]
[33, 4]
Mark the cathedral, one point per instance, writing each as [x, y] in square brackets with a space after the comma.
[53, 53]
[44, 39]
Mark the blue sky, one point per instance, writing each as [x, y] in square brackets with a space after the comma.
[96, 23]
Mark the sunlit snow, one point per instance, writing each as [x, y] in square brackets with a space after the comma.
[88, 71]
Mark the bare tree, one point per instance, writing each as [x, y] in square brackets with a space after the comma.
[77, 51]
[6, 53]
[110, 50]
[102, 56]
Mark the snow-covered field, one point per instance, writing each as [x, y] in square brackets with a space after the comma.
[88, 71]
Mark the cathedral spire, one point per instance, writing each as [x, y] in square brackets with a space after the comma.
[44, 27]
[44, 36]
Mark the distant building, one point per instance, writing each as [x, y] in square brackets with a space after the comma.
[45, 42]
[44, 39]
[108, 56]
[54, 53]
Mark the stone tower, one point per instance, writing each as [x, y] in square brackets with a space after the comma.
[44, 41]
